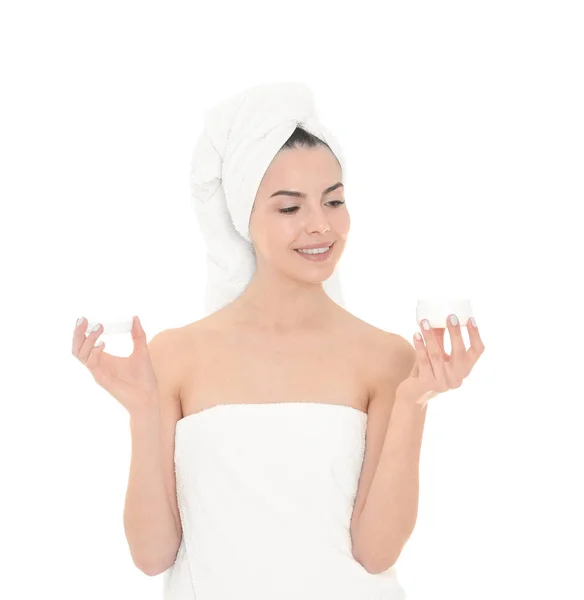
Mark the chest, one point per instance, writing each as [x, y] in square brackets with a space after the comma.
[237, 367]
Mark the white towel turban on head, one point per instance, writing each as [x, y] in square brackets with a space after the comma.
[241, 137]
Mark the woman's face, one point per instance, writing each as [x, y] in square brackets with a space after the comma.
[280, 223]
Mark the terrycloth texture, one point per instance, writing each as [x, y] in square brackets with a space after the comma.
[265, 494]
[241, 137]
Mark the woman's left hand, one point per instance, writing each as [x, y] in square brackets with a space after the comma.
[434, 371]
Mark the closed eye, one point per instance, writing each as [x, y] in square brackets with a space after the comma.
[291, 209]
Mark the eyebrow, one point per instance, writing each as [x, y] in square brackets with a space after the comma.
[328, 190]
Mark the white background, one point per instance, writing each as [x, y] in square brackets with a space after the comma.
[463, 128]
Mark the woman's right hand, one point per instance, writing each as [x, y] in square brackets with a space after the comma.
[129, 379]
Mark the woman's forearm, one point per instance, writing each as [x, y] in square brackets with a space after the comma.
[390, 511]
[149, 518]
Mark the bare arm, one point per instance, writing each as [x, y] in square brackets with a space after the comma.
[151, 517]
[390, 512]
[386, 506]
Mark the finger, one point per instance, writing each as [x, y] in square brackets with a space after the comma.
[424, 368]
[439, 335]
[435, 354]
[476, 343]
[458, 351]
[89, 344]
[457, 368]
[138, 335]
[78, 337]
[94, 359]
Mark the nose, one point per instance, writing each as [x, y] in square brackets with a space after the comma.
[317, 221]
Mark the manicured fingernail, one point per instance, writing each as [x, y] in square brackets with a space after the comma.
[453, 319]
[473, 322]
[426, 324]
[79, 321]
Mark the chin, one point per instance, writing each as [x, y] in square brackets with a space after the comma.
[315, 273]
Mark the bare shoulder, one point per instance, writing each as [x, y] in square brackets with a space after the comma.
[164, 350]
[173, 349]
[184, 342]
[172, 352]
[201, 332]
[374, 335]
[389, 356]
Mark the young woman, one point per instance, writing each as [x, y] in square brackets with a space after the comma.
[257, 431]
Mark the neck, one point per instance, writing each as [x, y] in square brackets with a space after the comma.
[279, 305]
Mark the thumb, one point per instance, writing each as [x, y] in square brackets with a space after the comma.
[138, 335]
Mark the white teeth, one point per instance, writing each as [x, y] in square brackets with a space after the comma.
[314, 250]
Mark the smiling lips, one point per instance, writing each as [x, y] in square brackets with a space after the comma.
[315, 254]
[319, 245]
